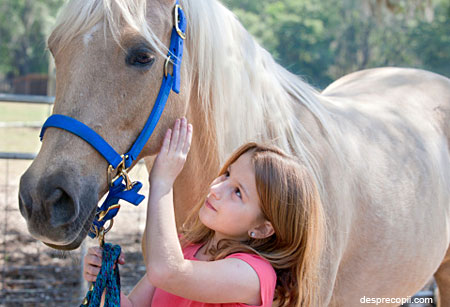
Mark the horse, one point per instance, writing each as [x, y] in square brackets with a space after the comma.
[376, 141]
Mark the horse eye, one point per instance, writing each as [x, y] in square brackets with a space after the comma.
[140, 58]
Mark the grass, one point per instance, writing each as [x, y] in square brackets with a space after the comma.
[21, 139]
[24, 112]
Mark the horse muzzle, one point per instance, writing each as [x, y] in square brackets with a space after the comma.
[58, 206]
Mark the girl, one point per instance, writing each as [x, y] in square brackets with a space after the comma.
[256, 238]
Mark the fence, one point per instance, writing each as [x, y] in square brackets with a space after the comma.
[32, 274]
[31, 84]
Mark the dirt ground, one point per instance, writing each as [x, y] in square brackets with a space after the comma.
[32, 274]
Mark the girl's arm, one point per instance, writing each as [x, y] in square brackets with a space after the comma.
[222, 281]
[141, 295]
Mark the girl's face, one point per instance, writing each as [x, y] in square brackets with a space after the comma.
[232, 207]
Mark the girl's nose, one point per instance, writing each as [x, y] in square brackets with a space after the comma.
[216, 190]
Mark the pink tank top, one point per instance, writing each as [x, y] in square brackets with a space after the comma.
[265, 271]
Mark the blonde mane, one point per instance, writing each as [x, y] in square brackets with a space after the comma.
[250, 96]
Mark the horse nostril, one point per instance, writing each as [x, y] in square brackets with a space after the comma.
[25, 207]
[61, 208]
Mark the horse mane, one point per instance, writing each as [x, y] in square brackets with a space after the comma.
[239, 79]
[236, 77]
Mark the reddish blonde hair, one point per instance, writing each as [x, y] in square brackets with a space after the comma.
[289, 199]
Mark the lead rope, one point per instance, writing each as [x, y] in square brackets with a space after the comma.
[107, 279]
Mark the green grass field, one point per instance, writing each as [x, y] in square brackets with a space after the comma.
[21, 139]
[23, 112]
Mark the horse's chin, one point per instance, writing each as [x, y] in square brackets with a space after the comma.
[78, 239]
[71, 246]
[74, 245]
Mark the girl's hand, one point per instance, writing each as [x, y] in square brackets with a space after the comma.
[93, 263]
[170, 160]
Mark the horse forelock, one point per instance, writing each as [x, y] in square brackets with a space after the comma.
[79, 17]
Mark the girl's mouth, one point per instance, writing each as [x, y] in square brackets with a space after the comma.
[208, 204]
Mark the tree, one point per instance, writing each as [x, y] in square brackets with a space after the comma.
[24, 26]
[326, 39]
[295, 32]
[318, 39]
[409, 8]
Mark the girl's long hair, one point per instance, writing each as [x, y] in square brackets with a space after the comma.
[289, 199]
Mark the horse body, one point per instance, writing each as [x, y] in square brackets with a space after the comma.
[395, 181]
[376, 141]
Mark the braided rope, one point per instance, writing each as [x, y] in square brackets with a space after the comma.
[108, 278]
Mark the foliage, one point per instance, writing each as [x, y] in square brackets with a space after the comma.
[326, 39]
[318, 39]
[24, 25]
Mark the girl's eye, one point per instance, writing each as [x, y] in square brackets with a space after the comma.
[227, 174]
[238, 192]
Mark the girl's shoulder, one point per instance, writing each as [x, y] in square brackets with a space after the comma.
[262, 267]
[266, 275]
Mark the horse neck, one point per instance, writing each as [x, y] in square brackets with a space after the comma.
[202, 165]
[265, 103]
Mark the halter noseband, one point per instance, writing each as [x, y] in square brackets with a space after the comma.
[121, 186]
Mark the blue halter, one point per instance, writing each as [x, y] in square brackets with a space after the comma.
[121, 187]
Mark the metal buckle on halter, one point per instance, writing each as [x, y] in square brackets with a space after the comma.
[101, 237]
[166, 66]
[176, 20]
[121, 172]
[128, 183]
[102, 214]
[100, 233]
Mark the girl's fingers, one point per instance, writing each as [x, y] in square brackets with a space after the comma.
[182, 137]
[166, 141]
[90, 269]
[95, 250]
[187, 143]
[94, 270]
[175, 133]
[90, 277]
[94, 260]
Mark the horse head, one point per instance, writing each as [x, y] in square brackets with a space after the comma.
[110, 58]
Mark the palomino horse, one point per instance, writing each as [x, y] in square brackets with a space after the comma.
[377, 141]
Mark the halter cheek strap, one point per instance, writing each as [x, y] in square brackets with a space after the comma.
[121, 187]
